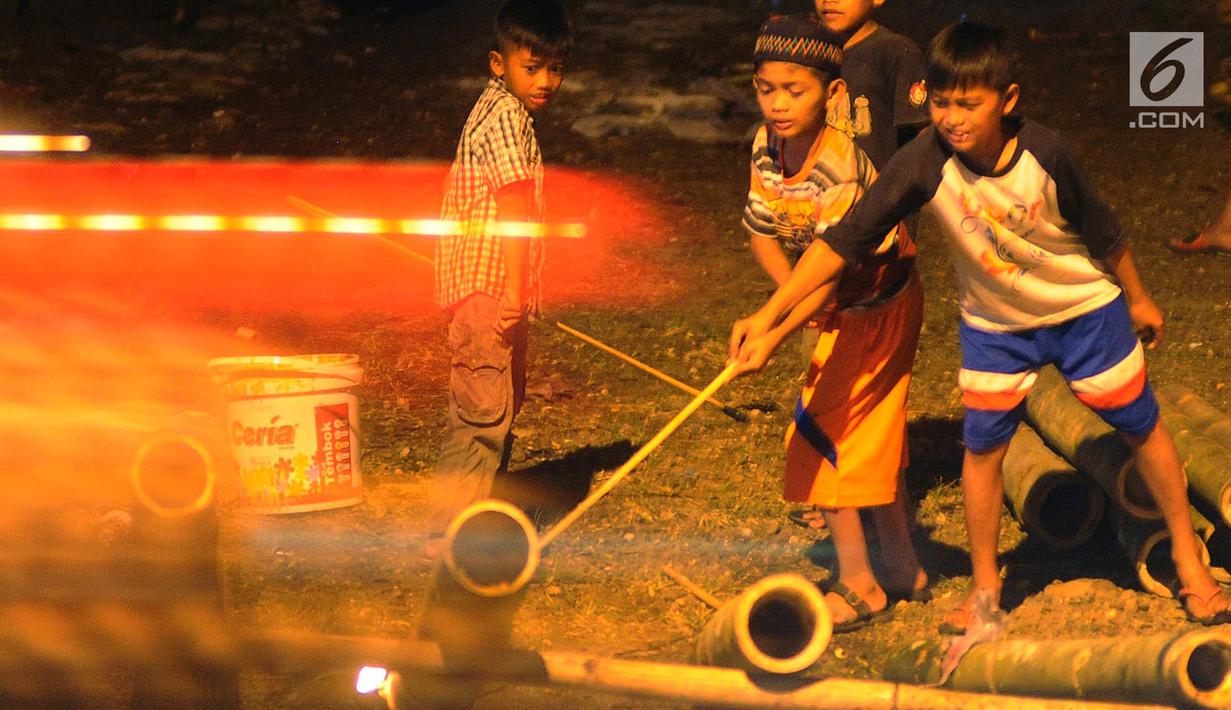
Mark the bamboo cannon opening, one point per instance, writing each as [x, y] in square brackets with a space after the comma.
[1053, 501]
[780, 626]
[173, 476]
[491, 549]
[1089, 443]
[1203, 663]
[1148, 546]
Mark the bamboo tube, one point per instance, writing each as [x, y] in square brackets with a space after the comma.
[1207, 466]
[1089, 443]
[780, 625]
[1209, 420]
[491, 548]
[1147, 543]
[1054, 502]
[1190, 668]
[173, 476]
[294, 652]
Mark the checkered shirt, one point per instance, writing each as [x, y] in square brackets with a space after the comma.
[497, 148]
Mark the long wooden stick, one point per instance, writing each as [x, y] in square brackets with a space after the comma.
[730, 411]
[322, 212]
[692, 587]
[298, 652]
[726, 409]
[723, 378]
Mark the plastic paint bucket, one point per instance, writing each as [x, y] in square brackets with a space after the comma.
[293, 424]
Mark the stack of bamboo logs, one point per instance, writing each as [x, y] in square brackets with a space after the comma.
[1059, 506]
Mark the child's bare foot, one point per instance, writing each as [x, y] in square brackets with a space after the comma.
[916, 590]
[1206, 605]
[1208, 241]
[957, 621]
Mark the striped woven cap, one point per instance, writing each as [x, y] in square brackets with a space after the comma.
[800, 39]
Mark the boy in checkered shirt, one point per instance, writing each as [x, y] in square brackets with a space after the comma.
[486, 283]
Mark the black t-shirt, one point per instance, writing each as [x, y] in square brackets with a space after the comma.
[884, 75]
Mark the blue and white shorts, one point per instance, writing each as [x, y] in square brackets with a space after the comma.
[1097, 353]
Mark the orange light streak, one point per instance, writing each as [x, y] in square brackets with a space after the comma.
[280, 224]
[114, 222]
[26, 143]
[32, 222]
[191, 223]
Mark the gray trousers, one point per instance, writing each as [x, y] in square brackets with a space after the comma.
[487, 383]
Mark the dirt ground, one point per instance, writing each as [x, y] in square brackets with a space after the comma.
[391, 81]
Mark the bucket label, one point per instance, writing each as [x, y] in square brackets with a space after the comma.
[333, 453]
[296, 453]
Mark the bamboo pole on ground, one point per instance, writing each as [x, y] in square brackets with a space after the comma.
[1190, 668]
[293, 652]
[1209, 420]
[1089, 443]
[1051, 499]
[1207, 465]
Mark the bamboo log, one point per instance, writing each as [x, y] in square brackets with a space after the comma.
[1190, 668]
[1089, 443]
[300, 653]
[1053, 502]
[780, 625]
[491, 548]
[1147, 543]
[1209, 420]
[1207, 465]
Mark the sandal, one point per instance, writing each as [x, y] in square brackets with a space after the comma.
[1195, 243]
[1218, 617]
[863, 613]
[810, 517]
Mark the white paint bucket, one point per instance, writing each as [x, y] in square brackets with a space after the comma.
[293, 425]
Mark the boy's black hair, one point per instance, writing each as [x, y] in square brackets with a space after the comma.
[541, 26]
[967, 54]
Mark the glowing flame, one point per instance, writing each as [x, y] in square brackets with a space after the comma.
[370, 679]
[21, 143]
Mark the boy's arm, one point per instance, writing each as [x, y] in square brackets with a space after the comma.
[1103, 236]
[772, 259]
[514, 203]
[754, 339]
[1147, 318]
